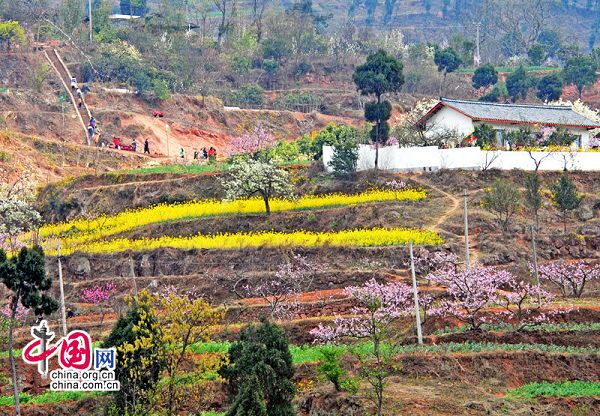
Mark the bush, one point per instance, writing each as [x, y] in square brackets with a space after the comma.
[330, 367]
[251, 94]
[329, 136]
[485, 134]
[275, 48]
[345, 156]
[485, 76]
[285, 151]
[503, 200]
[161, 89]
[261, 359]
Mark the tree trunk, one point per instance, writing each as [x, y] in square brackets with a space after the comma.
[11, 358]
[565, 222]
[267, 207]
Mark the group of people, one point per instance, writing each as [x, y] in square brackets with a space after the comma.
[201, 154]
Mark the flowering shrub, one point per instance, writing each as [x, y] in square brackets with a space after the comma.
[99, 295]
[470, 292]
[85, 230]
[281, 291]
[20, 315]
[374, 237]
[253, 143]
[569, 278]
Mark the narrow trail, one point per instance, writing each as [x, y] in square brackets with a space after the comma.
[453, 210]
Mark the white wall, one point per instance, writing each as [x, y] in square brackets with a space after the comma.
[430, 158]
[447, 119]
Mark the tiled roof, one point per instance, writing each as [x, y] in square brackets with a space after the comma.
[517, 113]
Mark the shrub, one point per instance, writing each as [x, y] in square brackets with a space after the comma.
[485, 76]
[345, 157]
[261, 359]
[503, 200]
[485, 134]
[161, 89]
[251, 94]
[330, 367]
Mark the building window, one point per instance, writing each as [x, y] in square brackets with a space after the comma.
[577, 141]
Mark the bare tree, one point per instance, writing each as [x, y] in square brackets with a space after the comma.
[258, 12]
[227, 10]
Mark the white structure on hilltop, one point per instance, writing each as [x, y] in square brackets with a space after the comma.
[462, 117]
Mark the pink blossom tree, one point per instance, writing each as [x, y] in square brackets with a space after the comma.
[99, 295]
[20, 314]
[470, 293]
[569, 278]
[379, 307]
[524, 303]
[427, 262]
[282, 290]
[254, 143]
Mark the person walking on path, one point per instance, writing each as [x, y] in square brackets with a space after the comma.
[91, 132]
[204, 153]
[93, 122]
[73, 84]
[146, 147]
[134, 145]
[182, 153]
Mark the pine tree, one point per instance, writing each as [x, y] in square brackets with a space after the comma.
[261, 354]
[250, 401]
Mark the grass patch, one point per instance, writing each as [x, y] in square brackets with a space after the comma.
[176, 169]
[48, 397]
[575, 388]
[550, 327]
[312, 353]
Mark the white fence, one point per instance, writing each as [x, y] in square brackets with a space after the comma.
[432, 158]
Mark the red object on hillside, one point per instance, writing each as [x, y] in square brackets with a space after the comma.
[116, 144]
[158, 113]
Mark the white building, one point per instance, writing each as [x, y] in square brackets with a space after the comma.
[463, 116]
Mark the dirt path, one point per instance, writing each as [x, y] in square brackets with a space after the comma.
[453, 210]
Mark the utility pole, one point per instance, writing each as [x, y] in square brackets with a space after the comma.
[132, 268]
[416, 295]
[467, 257]
[62, 293]
[477, 57]
[535, 264]
[91, 23]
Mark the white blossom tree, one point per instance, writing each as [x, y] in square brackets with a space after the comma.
[250, 178]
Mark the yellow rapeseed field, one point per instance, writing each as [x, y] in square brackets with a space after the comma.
[86, 230]
[359, 238]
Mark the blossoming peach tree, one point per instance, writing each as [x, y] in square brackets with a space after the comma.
[100, 295]
[569, 278]
[378, 309]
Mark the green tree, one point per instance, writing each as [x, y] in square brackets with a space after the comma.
[345, 157]
[549, 88]
[533, 195]
[12, 33]
[262, 354]
[565, 197]
[140, 362]
[250, 400]
[561, 137]
[329, 136]
[485, 76]
[495, 94]
[581, 72]
[485, 134]
[161, 89]
[381, 74]
[536, 54]
[517, 84]
[447, 61]
[24, 275]
[503, 201]
[249, 178]
[550, 41]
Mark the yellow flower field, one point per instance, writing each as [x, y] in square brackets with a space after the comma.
[84, 230]
[359, 238]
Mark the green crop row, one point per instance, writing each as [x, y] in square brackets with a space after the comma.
[575, 388]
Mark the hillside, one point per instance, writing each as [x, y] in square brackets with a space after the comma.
[443, 373]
